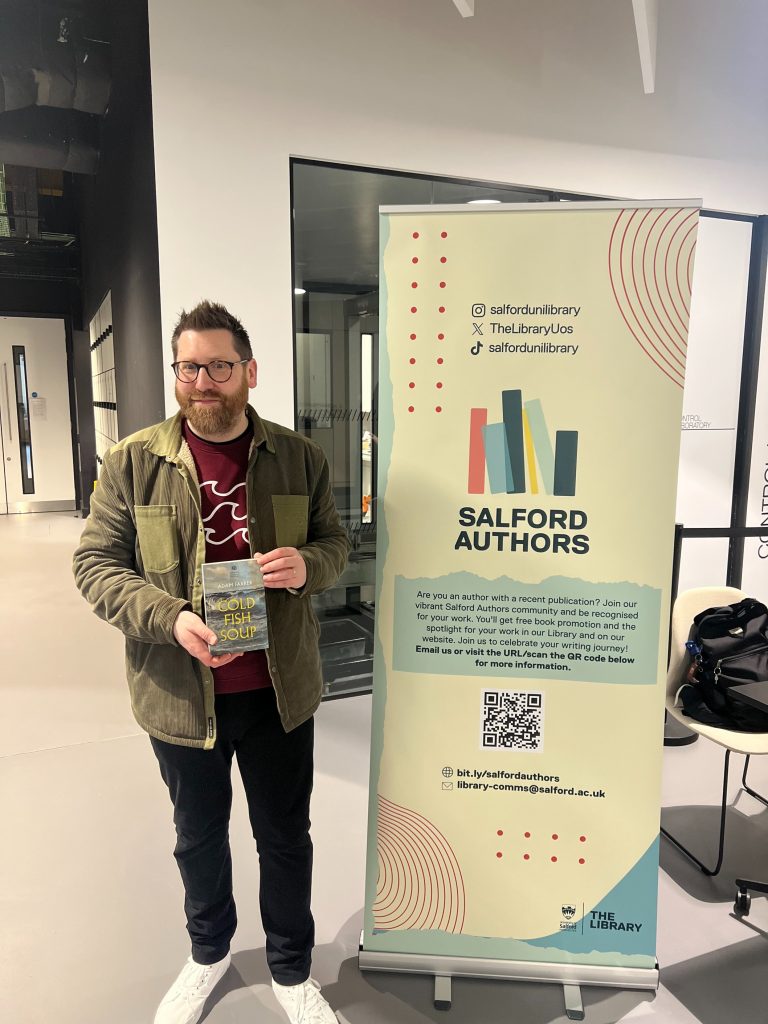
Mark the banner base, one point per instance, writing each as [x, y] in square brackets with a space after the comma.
[570, 976]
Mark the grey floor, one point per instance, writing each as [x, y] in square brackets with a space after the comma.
[90, 905]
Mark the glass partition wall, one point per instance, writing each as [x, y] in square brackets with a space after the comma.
[336, 348]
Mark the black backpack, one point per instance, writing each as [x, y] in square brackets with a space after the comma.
[729, 646]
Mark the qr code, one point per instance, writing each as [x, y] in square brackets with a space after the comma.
[512, 720]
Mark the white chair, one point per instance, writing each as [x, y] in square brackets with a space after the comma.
[688, 604]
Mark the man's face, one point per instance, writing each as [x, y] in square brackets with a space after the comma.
[210, 407]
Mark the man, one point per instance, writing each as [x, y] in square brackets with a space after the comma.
[215, 483]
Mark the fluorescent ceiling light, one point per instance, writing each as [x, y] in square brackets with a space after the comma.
[478, 201]
[299, 291]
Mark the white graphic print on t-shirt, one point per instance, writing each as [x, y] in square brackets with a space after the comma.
[225, 521]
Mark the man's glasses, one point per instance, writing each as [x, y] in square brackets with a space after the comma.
[219, 370]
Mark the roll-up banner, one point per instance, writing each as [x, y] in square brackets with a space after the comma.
[530, 398]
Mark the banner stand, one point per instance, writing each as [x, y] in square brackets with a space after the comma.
[570, 976]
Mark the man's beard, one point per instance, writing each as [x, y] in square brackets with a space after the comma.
[217, 418]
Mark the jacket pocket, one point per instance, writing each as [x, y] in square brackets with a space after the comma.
[158, 537]
[291, 512]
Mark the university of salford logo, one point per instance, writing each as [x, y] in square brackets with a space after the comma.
[568, 912]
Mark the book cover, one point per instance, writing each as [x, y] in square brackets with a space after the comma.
[235, 606]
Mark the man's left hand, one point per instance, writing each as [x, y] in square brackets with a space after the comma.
[282, 568]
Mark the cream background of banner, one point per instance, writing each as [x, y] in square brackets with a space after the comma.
[627, 415]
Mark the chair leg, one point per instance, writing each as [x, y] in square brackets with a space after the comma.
[744, 785]
[709, 871]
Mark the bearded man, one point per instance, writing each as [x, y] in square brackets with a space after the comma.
[216, 483]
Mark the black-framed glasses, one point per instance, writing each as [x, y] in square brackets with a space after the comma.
[219, 370]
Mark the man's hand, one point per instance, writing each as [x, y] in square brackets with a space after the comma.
[193, 635]
[282, 567]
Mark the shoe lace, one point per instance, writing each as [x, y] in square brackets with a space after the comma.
[194, 977]
[315, 1010]
[310, 1006]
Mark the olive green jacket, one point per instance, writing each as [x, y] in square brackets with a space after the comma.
[139, 558]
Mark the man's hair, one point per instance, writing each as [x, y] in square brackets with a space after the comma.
[212, 316]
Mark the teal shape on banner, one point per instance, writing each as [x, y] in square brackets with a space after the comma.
[497, 457]
[584, 631]
[623, 922]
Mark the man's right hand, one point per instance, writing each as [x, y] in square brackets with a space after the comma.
[193, 635]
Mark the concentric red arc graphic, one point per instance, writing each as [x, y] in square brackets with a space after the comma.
[420, 885]
[650, 263]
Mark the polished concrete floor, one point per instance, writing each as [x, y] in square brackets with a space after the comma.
[91, 929]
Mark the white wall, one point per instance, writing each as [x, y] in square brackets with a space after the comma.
[540, 92]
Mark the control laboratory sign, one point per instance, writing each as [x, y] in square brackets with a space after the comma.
[531, 388]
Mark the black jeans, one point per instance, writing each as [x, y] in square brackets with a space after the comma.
[276, 768]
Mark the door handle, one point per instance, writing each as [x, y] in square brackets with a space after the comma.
[7, 401]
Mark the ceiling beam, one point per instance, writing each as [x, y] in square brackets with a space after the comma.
[466, 8]
[646, 27]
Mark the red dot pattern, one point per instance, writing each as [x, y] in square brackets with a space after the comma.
[441, 337]
[554, 836]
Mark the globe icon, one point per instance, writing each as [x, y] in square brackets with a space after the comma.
[448, 772]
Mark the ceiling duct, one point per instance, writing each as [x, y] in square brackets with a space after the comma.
[55, 83]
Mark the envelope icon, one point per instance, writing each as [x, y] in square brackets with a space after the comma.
[447, 785]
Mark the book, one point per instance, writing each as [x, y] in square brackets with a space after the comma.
[235, 606]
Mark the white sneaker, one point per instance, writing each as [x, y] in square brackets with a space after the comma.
[184, 1001]
[304, 1004]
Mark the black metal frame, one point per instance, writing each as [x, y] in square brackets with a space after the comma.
[23, 423]
[753, 317]
[711, 872]
[750, 363]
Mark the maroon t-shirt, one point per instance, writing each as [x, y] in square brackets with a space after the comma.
[221, 468]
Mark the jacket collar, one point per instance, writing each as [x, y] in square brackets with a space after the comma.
[166, 438]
